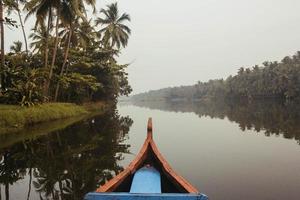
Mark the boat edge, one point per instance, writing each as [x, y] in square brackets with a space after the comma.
[141, 156]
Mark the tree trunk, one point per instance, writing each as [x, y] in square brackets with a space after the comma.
[22, 26]
[30, 180]
[52, 192]
[61, 190]
[47, 46]
[54, 53]
[0, 193]
[7, 191]
[47, 38]
[64, 63]
[2, 45]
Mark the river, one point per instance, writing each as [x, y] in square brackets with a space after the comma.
[228, 151]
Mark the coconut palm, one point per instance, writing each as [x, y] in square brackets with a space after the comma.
[68, 15]
[17, 47]
[39, 39]
[83, 33]
[66, 11]
[43, 10]
[2, 43]
[21, 23]
[115, 32]
[71, 11]
[15, 6]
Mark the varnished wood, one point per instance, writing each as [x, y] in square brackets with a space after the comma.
[148, 145]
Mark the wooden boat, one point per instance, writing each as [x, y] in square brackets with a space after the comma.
[148, 176]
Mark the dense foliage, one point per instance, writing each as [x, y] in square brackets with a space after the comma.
[279, 80]
[71, 57]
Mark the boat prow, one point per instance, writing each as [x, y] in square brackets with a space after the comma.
[148, 176]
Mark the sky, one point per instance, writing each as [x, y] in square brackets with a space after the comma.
[177, 43]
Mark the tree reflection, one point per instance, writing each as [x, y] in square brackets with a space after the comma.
[69, 163]
[8, 172]
[268, 117]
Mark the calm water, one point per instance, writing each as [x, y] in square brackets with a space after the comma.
[228, 151]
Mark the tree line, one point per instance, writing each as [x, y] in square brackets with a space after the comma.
[72, 54]
[270, 117]
[275, 80]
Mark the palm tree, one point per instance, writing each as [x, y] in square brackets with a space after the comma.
[66, 11]
[17, 47]
[70, 13]
[38, 38]
[83, 33]
[2, 43]
[55, 48]
[43, 9]
[21, 23]
[80, 6]
[116, 33]
[14, 6]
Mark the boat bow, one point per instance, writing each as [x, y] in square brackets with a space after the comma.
[149, 153]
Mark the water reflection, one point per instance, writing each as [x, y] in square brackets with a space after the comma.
[66, 164]
[268, 117]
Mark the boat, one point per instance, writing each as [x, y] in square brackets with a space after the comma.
[148, 176]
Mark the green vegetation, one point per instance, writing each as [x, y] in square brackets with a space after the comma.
[72, 56]
[32, 132]
[15, 118]
[267, 117]
[276, 80]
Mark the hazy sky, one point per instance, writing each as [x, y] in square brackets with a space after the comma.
[181, 42]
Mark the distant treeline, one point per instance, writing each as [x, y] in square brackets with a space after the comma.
[278, 80]
[268, 117]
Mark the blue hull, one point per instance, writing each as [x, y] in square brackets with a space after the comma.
[130, 196]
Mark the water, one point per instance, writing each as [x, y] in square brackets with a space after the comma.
[227, 150]
[237, 151]
[64, 164]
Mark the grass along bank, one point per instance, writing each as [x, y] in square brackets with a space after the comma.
[15, 118]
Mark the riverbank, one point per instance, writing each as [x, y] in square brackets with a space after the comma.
[16, 118]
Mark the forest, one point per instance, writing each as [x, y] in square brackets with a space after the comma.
[70, 55]
[271, 80]
[264, 117]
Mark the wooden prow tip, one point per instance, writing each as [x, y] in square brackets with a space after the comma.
[149, 127]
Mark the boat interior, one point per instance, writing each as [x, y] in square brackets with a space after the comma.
[149, 155]
[168, 184]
